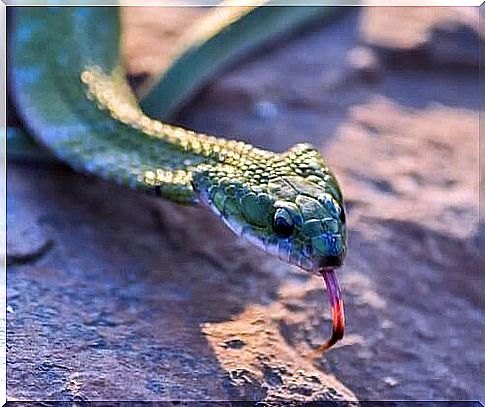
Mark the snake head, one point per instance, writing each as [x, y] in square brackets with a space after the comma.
[288, 204]
[308, 223]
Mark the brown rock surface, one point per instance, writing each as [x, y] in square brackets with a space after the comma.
[143, 299]
[408, 27]
[424, 36]
[149, 37]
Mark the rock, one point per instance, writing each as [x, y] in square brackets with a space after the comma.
[266, 110]
[27, 240]
[160, 303]
[437, 37]
[149, 34]
[282, 373]
[391, 381]
[365, 64]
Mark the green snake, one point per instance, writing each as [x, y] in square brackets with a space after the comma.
[70, 89]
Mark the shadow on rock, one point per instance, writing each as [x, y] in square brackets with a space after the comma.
[145, 294]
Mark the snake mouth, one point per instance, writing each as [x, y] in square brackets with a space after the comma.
[337, 306]
[329, 262]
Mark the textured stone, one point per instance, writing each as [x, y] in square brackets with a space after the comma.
[27, 240]
[365, 64]
[439, 37]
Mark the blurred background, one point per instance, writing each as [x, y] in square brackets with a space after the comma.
[112, 294]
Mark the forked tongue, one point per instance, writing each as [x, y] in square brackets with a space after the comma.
[337, 305]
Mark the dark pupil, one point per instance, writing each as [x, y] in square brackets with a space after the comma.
[282, 227]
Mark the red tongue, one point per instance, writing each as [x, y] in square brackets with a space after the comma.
[337, 304]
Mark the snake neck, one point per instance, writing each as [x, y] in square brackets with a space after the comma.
[112, 93]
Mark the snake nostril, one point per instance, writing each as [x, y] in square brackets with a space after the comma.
[342, 216]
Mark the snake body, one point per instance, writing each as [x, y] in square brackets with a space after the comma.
[71, 91]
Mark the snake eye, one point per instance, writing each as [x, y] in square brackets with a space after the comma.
[283, 223]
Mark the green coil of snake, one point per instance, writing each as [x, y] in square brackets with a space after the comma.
[70, 89]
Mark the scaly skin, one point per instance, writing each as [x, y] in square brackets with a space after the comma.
[72, 93]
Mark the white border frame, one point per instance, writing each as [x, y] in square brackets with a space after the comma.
[188, 3]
